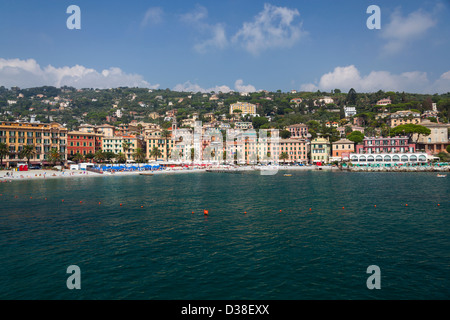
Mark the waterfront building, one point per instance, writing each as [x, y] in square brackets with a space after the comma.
[437, 141]
[161, 139]
[342, 149]
[82, 142]
[42, 136]
[320, 150]
[385, 145]
[388, 158]
[296, 150]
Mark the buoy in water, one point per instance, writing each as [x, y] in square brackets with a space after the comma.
[205, 212]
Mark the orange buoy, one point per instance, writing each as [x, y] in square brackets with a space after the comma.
[310, 209]
[99, 203]
[62, 200]
[205, 212]
[245, 212]
[81, 201]
[192, 212]
[45, 198]
[375, 205]
[406, 205]
[343, 208]
[142, 206]
[438, 204]
[120, 204]
[31, 197]
[280, 210]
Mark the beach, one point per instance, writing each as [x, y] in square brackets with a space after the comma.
[10, 176]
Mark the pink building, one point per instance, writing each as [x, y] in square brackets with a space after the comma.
[386, 145]
[298, 130]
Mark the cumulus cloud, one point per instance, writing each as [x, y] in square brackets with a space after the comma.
[240, 87]
[272, 28]
[191, 87]
[402, 30]
[152, 16]
[28, 73]
[348, 77]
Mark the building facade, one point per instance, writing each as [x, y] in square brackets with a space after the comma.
[373, 145]
[42, 136]
[320, 150]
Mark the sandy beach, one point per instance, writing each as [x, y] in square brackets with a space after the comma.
[10, 176]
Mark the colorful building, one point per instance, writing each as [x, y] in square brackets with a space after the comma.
[386, 145]
[320, 150]
[82, 142]
[342, 149]
[42, 136]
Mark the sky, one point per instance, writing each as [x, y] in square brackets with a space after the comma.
[227, 45]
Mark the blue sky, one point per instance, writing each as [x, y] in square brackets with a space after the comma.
[227, 45]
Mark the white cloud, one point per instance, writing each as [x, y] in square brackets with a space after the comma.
[152, 16]
[240, 87]
[191, 87]
[218, 40]
[216, 34]
[28, 73]
[348, 77]
[272, 28]
[401, 31]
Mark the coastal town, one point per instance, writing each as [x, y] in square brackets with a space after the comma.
[172, 129]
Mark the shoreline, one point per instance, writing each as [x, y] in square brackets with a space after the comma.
[10, 176]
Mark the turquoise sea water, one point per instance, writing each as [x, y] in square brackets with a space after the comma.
[163, 251]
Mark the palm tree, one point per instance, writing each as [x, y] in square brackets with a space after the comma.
[77, 157]
[139, 155]
[155, 152]
[54, 156]
[27, 152]
[166, 134]
[4, 151]
[99, 156]
[126, 146]
[121, 157]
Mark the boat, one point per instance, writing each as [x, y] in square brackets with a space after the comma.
[441, 175]
[145, 174]
[288, 175]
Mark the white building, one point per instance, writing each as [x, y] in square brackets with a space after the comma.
[350, 111]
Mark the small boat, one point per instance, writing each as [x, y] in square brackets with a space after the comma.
[145, 174]
[441, 175]
[288, 175]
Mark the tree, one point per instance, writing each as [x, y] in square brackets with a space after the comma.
[259, 121]
[3, 152]
[54, 156]
[448, 148]
[285, 134]
[139, 155]
[351, 97]
[77, 157]
[121, 157]
[410, 130]
[284, 156]
[356, 136]
[99, 156]
[27, 152]
[155, 153]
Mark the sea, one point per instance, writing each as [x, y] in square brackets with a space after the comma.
[314, 235]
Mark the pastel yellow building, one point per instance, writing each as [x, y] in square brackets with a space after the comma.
[43, 136]
[245, 107]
